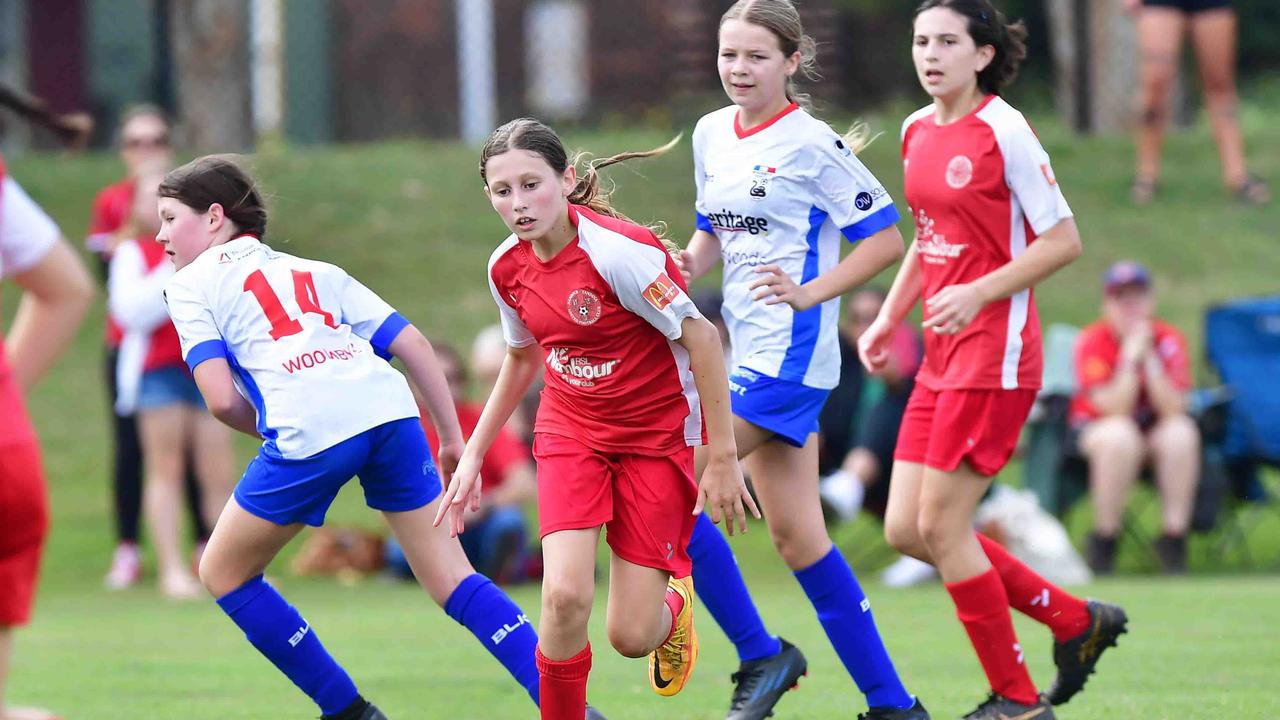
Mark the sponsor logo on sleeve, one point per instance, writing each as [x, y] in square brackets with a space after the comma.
[661, 292]
[842, 148]
[1048, 174]
[863, 201]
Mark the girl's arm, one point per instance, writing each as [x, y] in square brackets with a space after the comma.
[721, 486]
[420, 362]
[871, 255]
[954, 307]
[702, 254]
[519, 369]
[873, 346]
[57, 292]
[213, 377]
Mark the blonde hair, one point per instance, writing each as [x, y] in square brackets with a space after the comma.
[533, 136]
[781, 18]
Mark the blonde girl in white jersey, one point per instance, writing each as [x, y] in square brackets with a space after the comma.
[777, 189]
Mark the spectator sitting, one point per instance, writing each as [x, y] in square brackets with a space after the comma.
[496, 539]
[1130, 411]
[859, 424]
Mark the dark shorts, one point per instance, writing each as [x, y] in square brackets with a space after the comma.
[1189, 7]
[393, 462]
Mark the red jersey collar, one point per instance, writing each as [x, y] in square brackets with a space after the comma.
[746, 133]
[985, 102]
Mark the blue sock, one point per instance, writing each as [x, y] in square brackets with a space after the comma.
[279, 632]
[845, 613]
[500, 625]
[719, 585]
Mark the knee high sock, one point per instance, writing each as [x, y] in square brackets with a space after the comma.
[845, 613]
[277, 630]
[1030, 594]
[500, 625]
[983, 607]
[718, 582]
[564, 685]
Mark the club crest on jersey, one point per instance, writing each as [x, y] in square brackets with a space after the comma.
[584, 306]
[959, 172]
[761, 176]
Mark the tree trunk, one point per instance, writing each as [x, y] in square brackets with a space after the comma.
[1095, 61]
[210, 44]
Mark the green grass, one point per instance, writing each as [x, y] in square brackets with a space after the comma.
[409, 218]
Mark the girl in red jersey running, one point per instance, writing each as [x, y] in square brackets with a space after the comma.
[56, 292]
[990, 223]
[632, 371]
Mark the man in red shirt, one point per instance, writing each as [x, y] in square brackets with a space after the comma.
[1133, 373]
[496, 540]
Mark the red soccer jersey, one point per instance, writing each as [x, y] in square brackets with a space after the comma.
[111, 208]
[505, 451]
[1098, 353]
[607, 311]
[981, 190]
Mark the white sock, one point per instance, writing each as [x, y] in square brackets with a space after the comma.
[843, 491]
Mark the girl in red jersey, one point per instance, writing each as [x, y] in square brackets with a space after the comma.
[632, 372]
[990, 223]
[56, 291]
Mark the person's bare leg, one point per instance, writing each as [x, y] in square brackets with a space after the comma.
[901, 516]
[1114, 449]
[1160, 32]
[214, 460]
[163, 433]
[1213, 36]
[1175, 452]
[786, 483]
[638, 619]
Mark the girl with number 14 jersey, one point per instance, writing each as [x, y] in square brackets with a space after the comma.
[294, 351]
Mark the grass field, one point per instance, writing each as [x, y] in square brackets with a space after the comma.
[409, 218]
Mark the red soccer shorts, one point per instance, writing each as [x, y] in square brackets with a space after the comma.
[941, 428]
[644, 502]
[24, 522]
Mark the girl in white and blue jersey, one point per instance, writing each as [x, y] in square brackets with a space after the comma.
[295, 351]
[777, 191]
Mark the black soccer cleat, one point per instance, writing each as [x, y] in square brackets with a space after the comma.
[594, 714]
[359, 709]
[760, 684]
[915, 712]
[998, 707]
[1076, 658]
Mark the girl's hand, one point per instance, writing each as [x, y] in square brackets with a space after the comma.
[953, 308]
[464, 487]
[684, 261]
[873, 345]
[725, 492]
[778, 287]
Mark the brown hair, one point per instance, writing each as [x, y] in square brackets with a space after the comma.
[218, 179]
[533, 136]
[987, 26]
[781, 18]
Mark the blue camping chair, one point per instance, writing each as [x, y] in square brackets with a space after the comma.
[1242, 343]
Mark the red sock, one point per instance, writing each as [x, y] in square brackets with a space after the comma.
[562, 685]
[1065, 614]
[983, 607]
[675, 603]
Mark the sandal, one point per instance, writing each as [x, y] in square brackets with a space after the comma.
[1254, 191]
[1142, 192]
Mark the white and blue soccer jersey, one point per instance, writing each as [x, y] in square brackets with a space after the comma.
[306, 342]
[783, 193]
